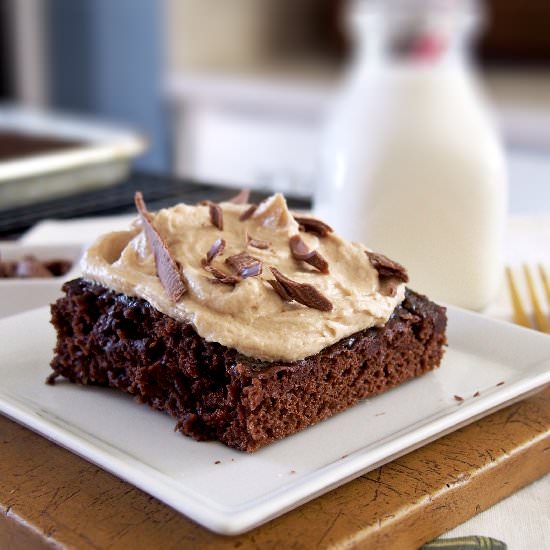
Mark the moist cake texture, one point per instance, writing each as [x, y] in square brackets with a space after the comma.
[109, 339]
[245, 323]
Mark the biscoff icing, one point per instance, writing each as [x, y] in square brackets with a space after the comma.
[248, 316]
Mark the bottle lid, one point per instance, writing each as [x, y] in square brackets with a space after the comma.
[418, 29]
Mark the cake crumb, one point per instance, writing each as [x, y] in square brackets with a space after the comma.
[379, 414]
[458, 398]
[476, 394]
[218, 462]
[292, 472]
[51, 380]
[344, 456]
[500, 383]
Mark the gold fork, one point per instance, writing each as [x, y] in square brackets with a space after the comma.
[520, 315]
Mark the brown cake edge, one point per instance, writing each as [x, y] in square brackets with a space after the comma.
[109, 339]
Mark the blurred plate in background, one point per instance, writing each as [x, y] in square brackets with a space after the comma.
[17, 295]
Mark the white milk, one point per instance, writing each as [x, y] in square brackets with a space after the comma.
[412, 167]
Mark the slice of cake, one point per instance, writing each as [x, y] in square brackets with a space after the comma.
[246, 323]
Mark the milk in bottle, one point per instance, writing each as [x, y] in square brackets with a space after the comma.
[411, 164]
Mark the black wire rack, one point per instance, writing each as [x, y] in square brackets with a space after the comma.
[158, 191]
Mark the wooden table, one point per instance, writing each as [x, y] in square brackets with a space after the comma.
[49, 497]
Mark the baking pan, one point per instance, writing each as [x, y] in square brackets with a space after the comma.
[84, 154]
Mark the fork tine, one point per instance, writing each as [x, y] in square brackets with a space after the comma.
[545, 282]
[540, 318]
[520, 317]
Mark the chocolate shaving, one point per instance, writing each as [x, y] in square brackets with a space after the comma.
[302, 293]
[387, 268]
[458, 398]
[477, 394]
[248, 213]
[167, 268]
[388, 287]
[313, 225]
[29, 267]
[221, 277]
[215, 250]
[280, 290]
[216, 215]
[58, 267]
[256, 243]
[300, 251]
[244, 265]
[241, 197]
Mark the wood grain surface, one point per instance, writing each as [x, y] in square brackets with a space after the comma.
[50, 498]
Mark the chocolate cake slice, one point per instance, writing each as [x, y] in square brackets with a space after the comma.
[244, 323]
[109, 339]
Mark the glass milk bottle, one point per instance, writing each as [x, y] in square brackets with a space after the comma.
[411, 165]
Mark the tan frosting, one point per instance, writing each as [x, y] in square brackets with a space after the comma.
[250, 317]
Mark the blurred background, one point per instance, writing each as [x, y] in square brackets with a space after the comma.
[234, 93]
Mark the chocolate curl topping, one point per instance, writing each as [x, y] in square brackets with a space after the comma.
[256, 243]
[387, 269]
[248, 213]
[215, 250]
[221, 277]
[301, 252]
[167, 269]
[388, 287]
[280, 290]
[244, 265]
[241, 197]
[216, 215]
[312, 225]
[303, 293]
[29, 266]
[58, 267]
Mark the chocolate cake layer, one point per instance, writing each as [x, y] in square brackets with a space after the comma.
[110, 339]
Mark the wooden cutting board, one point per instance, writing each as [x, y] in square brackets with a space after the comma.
[50, 497]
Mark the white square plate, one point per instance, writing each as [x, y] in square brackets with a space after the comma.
[230, 492]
